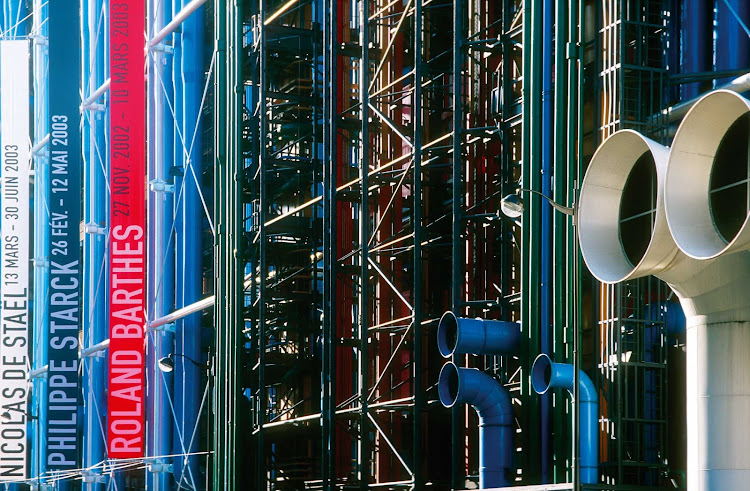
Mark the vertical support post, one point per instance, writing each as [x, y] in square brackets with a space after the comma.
[227, 311]
[262, 397]
[547, 129]
[457, 256]
[577, 173]
[531, 179]
[189, 247]
[328, 397]
[96, 159]
[417, 315]
[364, 448]
[160, 272]
[41, 240]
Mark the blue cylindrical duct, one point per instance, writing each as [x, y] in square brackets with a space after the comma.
[460, 335]
[189, 63]
[38, 433]
[95, 279]
[493, 405]
[696, 36]
[731, 41]
[670, 313]
[546, 374]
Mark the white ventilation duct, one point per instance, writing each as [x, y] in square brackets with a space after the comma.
[646, 211]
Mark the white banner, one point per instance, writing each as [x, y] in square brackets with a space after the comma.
[14, 270]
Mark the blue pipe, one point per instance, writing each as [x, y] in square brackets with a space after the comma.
[694, 51]
[461, 335]
[662, 318]
[159, 420]
[496, 423]
[545, 375]
[41, 246]
[188, 226]
[95, 281]
[13, 12]
[731, 41]
[546, 235]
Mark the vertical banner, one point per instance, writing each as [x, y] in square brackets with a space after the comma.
[127, 244]
[65, 186]
[14, 285]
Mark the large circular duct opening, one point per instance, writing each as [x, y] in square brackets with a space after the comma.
[447, 334]
[620, 210]
[728, 190]
[706, 190]
[541, 374]
[448, 384]
[638, 208]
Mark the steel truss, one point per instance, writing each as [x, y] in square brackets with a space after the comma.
[343, 204]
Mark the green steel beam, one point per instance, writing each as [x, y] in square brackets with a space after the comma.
[457, 251]
[263, 207]
[417, 301]
[531, 248]
[220, 318]
[228, 307]
[365, 448]
[330, 259]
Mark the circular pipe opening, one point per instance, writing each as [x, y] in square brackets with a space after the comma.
[705, 196]
[447, 334]
[638, 208]
[729, 180]
[541, 374]
[448, 384]
[618, 212]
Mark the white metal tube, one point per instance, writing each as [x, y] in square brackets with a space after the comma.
[183, 312]
[175, 23]
[103, 88]
[40, 145]
[39, 372]
[97, 348]
[158, 38]
[740, 84]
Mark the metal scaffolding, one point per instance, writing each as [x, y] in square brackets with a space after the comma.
[324, 179]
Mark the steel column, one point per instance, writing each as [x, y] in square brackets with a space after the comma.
[39, 404]
[95, 328]
[189, 246]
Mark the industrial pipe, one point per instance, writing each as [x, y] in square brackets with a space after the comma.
[689, 237]
[546, 374]
[461, 335]
[493, 405]
[707, 214]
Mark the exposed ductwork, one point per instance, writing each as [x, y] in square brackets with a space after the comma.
[681, 215]
[545, 374]
[461, 335]
[496, 424]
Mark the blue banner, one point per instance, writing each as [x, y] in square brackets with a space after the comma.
[65, 160]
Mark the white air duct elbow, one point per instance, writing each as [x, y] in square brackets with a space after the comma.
[626, 177]
[706, 201]
[686, 235]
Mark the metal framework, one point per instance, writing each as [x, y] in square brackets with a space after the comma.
[351, 182]
[630, 346]
[324, 183]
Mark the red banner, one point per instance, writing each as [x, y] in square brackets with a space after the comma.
[127, 220]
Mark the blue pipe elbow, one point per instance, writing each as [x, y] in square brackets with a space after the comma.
[546, 374]
[461, 335]
[493, 405]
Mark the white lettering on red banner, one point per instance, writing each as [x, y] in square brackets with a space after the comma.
[127, 254]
